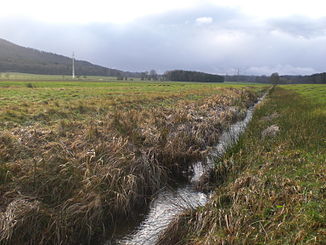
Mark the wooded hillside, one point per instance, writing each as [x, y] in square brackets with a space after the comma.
[14, 58]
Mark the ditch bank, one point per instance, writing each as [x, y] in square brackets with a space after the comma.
[170, 202]
[268, 188]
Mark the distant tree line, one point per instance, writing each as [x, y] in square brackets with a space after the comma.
[285, 79]
[250, 78]
[150, 75]
[319, 78]
[192, 76]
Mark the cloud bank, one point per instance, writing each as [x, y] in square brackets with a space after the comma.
[209, 38]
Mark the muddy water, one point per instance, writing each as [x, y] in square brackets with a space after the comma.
[170, 203]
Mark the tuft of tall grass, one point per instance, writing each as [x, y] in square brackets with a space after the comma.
[30, 85]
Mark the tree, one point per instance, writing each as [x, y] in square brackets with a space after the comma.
[153, 75]
[142, 76]
[119, 76]
[275, 78]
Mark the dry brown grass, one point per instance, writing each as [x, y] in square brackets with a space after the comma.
[70, 184]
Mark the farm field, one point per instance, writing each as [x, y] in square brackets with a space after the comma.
[77, 158]
[23, 103]
[13, 76]
[270, 187]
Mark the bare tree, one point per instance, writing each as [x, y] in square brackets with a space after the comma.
[153, 75]
[275, 78]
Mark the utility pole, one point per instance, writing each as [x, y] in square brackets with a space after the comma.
[237, 74]
[73, 66]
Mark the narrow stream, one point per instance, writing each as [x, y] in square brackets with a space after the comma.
[170, 203]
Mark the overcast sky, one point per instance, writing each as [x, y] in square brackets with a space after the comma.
[217, 36]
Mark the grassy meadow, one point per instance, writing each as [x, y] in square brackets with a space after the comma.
[270, 187]
[77, 158]
[13, 76]
[23, 103]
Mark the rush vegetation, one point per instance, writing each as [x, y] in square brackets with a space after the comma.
[270, 187]
[76, 158]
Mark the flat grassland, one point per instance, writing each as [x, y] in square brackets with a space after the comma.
[270, 188]
[77, 158]
[13, 76]
[24, 103]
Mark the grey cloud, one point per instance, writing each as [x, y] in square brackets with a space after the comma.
[174, 41]
[300, 26]
[281, 69]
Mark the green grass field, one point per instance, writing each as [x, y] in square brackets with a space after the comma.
[27, 102]
[37, 77]
[270, 187]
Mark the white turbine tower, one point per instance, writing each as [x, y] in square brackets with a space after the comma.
[73, 65]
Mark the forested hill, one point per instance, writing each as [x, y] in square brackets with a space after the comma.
[14, 58]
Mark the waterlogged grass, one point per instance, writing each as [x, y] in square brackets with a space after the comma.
[78, 158]
[271, 188]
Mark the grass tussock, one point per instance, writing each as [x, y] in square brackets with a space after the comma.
[271, 187]
[71, 182]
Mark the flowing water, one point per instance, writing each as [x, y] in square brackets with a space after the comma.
[170, 203]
